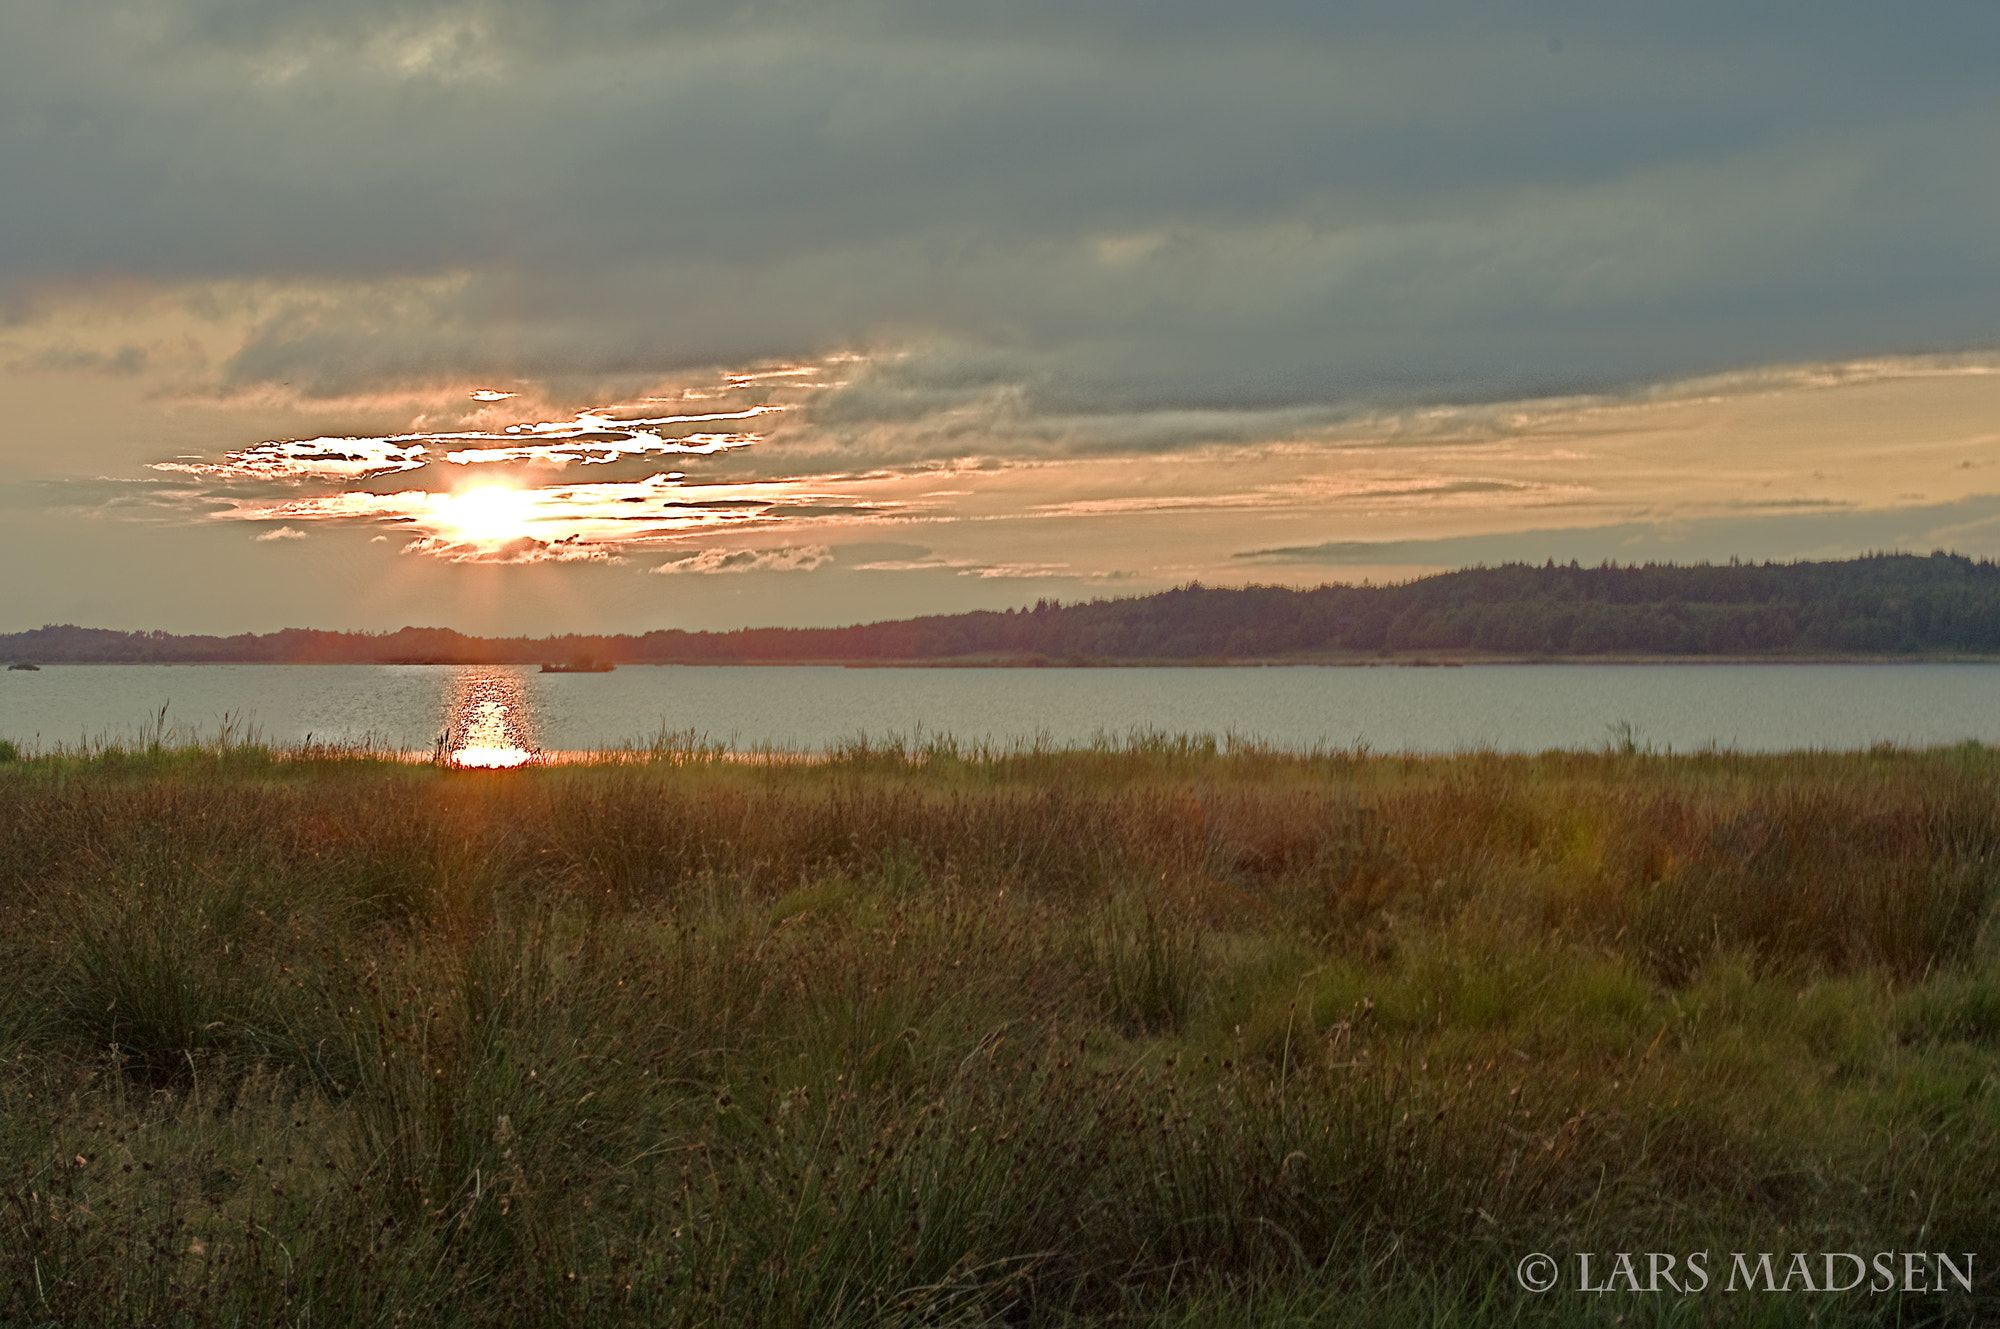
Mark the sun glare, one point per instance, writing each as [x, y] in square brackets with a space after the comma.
[488, 514]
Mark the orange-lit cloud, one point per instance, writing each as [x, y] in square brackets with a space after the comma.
[599, 436]
[789, 558]
[517, 549]
[1182, 494]
[890, 488]
[611, 513]
[499, 494]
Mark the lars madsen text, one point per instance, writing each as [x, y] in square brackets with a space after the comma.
[1694, 1271]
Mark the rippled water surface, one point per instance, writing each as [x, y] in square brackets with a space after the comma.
[512, 711]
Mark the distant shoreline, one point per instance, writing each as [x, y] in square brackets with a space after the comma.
[1877, 609]
[1271, 662]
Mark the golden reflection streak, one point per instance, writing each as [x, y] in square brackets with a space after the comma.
[486, 721]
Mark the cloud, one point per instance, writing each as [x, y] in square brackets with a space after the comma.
[1971, 525]
[124, 362]
[1035, 290]
[1013, 497]
[592, 515]
[279, 533]
[789, 558]
[520, 549]
[474, 494]
[1164, 212]
[869, 553]
[1023, 570]
[594, 436]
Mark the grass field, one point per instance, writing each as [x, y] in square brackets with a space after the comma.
[1147, 1034]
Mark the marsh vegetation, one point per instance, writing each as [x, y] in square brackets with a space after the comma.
[1151, 1033]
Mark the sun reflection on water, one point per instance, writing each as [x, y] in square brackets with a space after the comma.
[486, 724]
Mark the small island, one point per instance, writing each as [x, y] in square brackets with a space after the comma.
[581, 665]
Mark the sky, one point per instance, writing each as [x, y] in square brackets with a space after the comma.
[602, 315]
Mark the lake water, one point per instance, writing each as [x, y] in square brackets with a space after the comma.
[510, 711]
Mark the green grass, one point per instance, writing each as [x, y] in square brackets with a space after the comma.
[1153, 1032]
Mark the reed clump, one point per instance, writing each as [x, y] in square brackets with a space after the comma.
[1160, 1031]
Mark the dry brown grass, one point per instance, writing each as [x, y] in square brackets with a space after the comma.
[1158, 1033]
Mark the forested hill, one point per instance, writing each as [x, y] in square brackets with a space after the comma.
[1881, 605]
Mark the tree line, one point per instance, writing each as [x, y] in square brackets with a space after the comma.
[1885, 605]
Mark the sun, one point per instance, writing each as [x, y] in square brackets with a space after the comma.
[490, 514]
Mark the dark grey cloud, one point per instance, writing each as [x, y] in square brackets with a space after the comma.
[1103, 205]
[121, 363]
